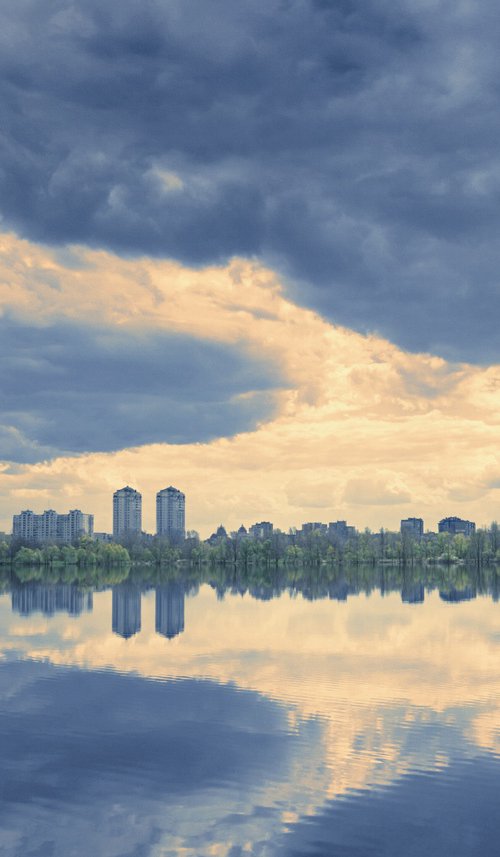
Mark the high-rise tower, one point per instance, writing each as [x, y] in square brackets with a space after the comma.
[127, 512]
[171, 514]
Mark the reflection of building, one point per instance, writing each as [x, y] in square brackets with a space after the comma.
[38, 598]
[126, 619]
[453, 595]
[171, 514]
[50, 526]
[413, 527]
[456, 525]
[127, 512]
[169, 612]
[413, 593]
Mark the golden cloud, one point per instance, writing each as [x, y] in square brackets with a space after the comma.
[360, 421]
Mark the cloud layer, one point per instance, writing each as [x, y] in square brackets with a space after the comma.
[68, 388]
[351, 146]
[357, 428]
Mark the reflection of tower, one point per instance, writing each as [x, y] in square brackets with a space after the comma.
[169, 610]
[126, 610]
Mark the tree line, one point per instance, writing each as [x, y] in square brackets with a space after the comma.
[281, 549]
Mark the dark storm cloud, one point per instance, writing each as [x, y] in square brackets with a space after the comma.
[66, 389]
[352, 145]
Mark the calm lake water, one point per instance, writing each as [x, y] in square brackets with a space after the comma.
[349, 716]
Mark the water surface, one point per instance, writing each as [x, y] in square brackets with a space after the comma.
[303, 714]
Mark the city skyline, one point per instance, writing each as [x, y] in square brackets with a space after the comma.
[171, 523]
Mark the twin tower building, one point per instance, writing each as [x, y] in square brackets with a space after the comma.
[170, 513]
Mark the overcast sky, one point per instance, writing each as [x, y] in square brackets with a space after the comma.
[172, 173]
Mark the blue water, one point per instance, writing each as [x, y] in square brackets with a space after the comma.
[343, 717]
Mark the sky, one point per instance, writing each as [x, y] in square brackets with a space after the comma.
[250, 249]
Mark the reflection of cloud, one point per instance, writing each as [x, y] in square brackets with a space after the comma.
[31, 629]
[351, 415]
[380, 677]
[485, 730]
[189, 765]
[451, 812]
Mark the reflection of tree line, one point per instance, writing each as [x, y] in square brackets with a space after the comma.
[48, 595]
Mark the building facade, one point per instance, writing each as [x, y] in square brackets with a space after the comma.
[127, 512]
[262, 530]
[454, 526]
[313, 527]
[413, 527]
[340, 531]
[52, 527]
[171, 514]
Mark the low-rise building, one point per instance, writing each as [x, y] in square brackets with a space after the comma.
[51, 526]
[456, 526]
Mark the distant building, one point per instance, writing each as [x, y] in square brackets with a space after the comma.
[219, 536]
[52, 527]
[340, 531]
[241, 533]
[263, 530]
[171, 514]
[126, 610]
[127, 512]
[75, 524]
[169, 610]
[456, 526]
[413, 527]
[314, 527]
